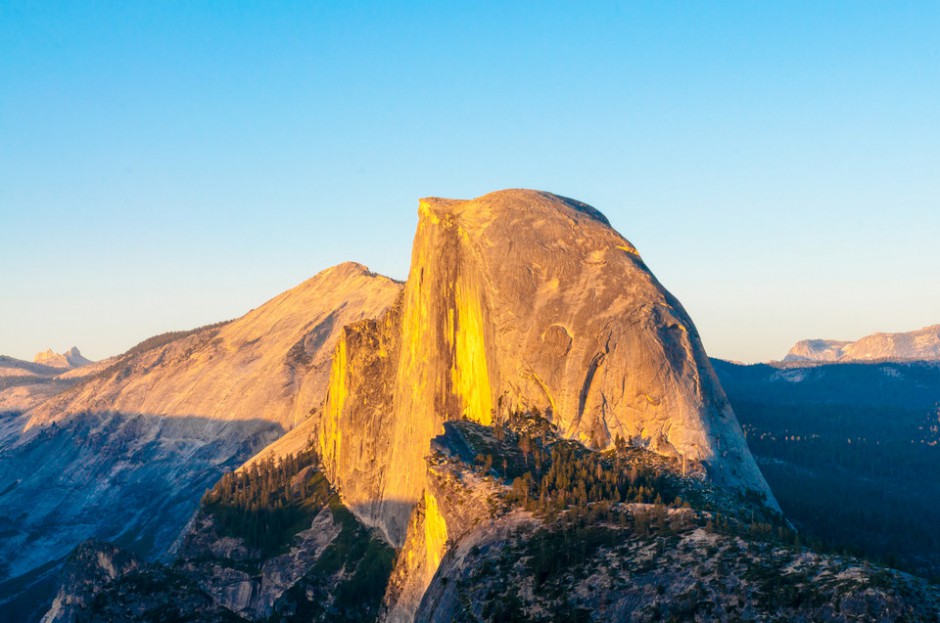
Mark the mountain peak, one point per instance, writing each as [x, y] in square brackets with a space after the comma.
[513, 200]
[346, 276]
[347, 268]
[72, 358]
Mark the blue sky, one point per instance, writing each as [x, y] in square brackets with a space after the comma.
[169, 164]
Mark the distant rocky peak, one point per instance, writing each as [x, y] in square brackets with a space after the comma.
[72, 358]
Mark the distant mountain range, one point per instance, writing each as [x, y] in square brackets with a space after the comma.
[920, 345]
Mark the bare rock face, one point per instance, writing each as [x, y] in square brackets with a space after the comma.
[213, 561]
[521, 299]
[920, 345]
[271, 364]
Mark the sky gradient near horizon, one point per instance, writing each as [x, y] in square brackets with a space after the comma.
[168, 165]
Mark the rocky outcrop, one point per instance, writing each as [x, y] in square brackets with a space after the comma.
[455, 502]
[509, 558]
[520, 569]
[104, 584]
[218, 564]
[92, 566]
[269, 544]
[920, 345]
[521, 299]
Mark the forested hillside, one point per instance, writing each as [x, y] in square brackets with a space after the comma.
[851, 452]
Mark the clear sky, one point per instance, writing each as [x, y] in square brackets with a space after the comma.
[165, 165]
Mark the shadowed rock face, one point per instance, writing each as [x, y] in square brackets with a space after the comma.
[134, 479]
[88, 569]
[521, 299]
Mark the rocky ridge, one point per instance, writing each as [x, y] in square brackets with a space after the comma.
[533, 554]
[303, 558]
[271, 364]
[87, 571]
[102, 583]
[125, 453]
[920, 345]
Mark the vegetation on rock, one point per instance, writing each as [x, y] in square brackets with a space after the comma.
[627, 535]
[270, 501]
[265, 506]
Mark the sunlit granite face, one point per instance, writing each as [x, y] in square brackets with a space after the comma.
[520, 299]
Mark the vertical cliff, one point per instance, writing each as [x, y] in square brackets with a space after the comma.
[521, 299]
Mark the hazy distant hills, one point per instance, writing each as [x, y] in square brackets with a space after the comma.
[923, 344]
[45, 364]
